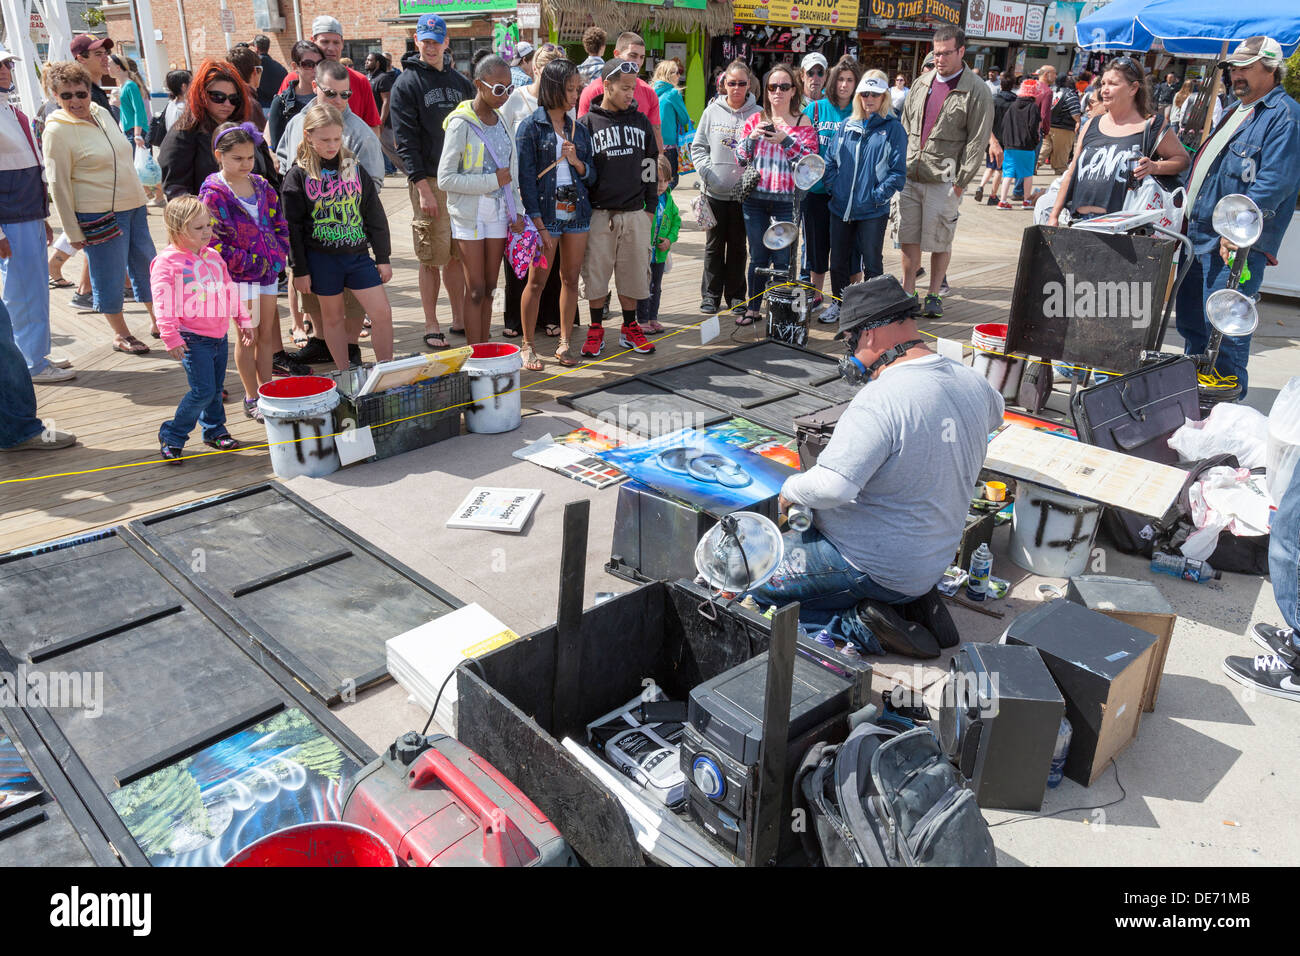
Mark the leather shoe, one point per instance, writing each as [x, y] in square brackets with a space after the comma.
[930, 611]
[896, 634]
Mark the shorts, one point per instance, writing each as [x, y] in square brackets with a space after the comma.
[619, 248]
[1019, 163]
[332, 273]
[927, 215]
[563, 225]
[432, 237]
[491, 222]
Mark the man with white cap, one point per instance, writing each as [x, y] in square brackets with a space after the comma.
[814, 68]
[25, 235]
[327, 33]
[521, 72]
[1254, 150]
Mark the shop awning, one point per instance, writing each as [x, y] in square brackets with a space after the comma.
[1189, 26]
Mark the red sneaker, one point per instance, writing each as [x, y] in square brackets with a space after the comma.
[633, 338]
[1028, 204]
[1004, 205]
[595, 343]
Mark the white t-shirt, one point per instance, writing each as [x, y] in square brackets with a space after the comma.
[1212, 148]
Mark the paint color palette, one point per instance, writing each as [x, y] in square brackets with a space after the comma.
[17, 785]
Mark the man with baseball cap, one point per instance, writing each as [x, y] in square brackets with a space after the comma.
[890, 492]
[92, 53]
[814, 68]
[327, 33]
[521, 71]
[1254, 150]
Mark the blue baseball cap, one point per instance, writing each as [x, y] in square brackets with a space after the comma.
[431, 27]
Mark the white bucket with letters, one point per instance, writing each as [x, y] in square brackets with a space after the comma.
[299, 415]
[1052, 532]
[495, 403]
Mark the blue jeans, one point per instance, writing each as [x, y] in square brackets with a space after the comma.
[1207, 274]
[859, 244]
[130, 254]
[27, 291]
[648, 309]
[827, 587]
[18, 421]
[205, 367]
[1284, 556]
[759, 210]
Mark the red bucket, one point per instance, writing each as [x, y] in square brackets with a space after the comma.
[297, 386]
[317, 844]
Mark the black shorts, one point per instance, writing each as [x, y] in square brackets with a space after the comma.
[817, 231]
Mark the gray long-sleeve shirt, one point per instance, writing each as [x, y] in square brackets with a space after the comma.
[357, 136]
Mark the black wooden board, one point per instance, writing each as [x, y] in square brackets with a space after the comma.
[642, 407]
[320, 600]
[720, 385]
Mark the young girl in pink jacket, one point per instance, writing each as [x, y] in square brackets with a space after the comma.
[195, 299]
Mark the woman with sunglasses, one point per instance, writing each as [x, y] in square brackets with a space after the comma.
[217, 95]
[101, 204]
[483, 200]
[297, 94]
[1115, 150]
[772, 140]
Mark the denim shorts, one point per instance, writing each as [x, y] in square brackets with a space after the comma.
[331, 273]
[563, 227]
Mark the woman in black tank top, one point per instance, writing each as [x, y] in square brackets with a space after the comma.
[1109, 148]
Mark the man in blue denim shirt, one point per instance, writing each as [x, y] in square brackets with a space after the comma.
[1255, 151]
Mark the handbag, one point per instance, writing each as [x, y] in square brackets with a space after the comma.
[103, 228]
[748, 183]
[523, 249]
[703, 213]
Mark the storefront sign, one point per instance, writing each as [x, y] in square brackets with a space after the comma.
[415, 8]
[837, 14]
[946, 11]
[1059, 23]
[1034, 23]
[1005, 20]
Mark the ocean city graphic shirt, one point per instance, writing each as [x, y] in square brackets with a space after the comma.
[339, 213]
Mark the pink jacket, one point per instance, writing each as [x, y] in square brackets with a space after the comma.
[195, 293]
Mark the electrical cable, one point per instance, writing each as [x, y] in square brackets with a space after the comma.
[437, 700]
[1056, 813]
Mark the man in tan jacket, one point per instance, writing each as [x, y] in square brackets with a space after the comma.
[947, 116]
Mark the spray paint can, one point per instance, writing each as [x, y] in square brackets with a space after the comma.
[981, 565]
[798, 518]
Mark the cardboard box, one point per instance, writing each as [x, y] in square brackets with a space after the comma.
[1138, 603]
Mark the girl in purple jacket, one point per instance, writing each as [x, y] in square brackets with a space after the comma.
[252, 237]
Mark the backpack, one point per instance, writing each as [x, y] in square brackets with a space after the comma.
[157, 130]
[889, 798]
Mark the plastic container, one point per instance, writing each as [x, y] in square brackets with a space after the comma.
[317, 844]
[407, 417]
[299, 415]
[1189, 569]
[1059, 755]
[981, 564]
[1052, 532]
[495, 402]
[1283, 446]
[1002, 373]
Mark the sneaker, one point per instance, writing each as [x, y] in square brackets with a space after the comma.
[1267, 673]
[992, 200]
[252, 411]
[933, 308]
[830, 314]
[171, 454]
[59, 360]
[979, 194]
[83, 303]
[1003, 205]
[1027, 204]
[943, 286]
[53, 374]
[315, 352]
[1275, 640]
[737, 309]
[652, 327]
[354, 355]
[631, 337]
[48, 440]
[709, 307]
[595, 343]
[282, 364]
[896, 634]
[930, 611]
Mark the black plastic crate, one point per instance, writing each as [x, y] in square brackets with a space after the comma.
[403, 418]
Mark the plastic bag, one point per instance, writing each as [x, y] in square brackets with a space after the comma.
[1151, 195]
[147, 168]
[1283, 445]
[1043, 205]
[1225, 499]
[1230, 429]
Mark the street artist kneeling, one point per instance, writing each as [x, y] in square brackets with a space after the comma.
[890, 492]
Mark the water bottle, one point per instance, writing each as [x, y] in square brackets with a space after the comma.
[1189, 569]
[798, 518]
[981, 564]
[1063, 735]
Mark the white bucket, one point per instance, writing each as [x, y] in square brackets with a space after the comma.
[495, 403]
[1052, 533]
[299, 414]
[1003, 374]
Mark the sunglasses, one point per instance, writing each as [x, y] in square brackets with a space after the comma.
[815, 71]
[498, 89]
[79, 94]
[234, 99]
[780, 87]
[309, 64]
[344, 95]
[625, 66]
[1127, 61]
[871, 93]
[737, 82]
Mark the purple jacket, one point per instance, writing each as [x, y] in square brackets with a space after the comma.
[253, 251]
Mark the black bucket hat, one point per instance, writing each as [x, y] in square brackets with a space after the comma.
[875, 302]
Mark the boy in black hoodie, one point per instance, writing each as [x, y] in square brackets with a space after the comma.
[622, 207]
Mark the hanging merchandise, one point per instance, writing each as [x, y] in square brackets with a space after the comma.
[505, 37]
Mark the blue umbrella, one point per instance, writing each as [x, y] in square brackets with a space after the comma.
[1189, 27]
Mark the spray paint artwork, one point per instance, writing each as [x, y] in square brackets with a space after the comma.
[700, 470]
[202, 810]
[17, 785]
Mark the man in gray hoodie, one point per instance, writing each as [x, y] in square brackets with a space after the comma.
[714, 152]
[333, 88]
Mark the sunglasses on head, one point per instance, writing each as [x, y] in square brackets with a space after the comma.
[234, 99]
[344, 95]
[626, 67]
[498, 89]
[309, 64]
[1127, 61]
[780, 87]
[79, 94]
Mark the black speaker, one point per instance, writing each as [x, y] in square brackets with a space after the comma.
[998, 722]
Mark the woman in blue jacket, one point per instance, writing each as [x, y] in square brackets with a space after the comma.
[866, 165]
[672, 112]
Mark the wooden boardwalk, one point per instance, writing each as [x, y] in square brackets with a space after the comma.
[117, 401]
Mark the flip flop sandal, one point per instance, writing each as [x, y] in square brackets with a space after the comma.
[61, 284]
[308, 326]
[133, 346]
[435, 340]
[745, 319]
[299, 337]
[365, 328]
[456, 331]
[552, 330]
[531, 361]
[562, 354]
[511, 333]
[652, 327]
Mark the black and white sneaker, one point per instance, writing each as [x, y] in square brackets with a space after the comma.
[1275, 640]
[1271, 674]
